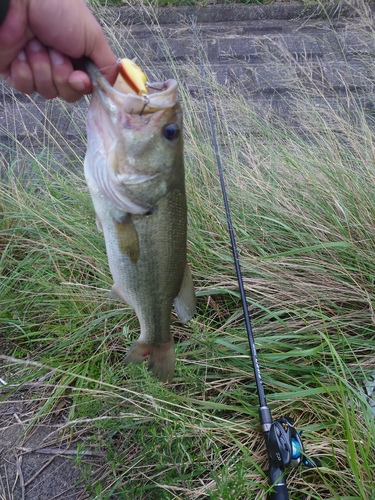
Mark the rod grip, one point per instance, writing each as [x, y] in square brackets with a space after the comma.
[278, 484]
[280, 492]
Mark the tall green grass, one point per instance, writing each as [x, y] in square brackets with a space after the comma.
[174, 3]
[302, 198]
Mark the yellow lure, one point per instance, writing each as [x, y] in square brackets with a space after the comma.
[133, 76]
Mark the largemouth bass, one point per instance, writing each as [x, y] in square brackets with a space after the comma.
[134, 168]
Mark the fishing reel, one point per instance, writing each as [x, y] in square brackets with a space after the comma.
[285, 445]
[285, 449]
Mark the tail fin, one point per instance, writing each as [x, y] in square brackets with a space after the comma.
[161, 358]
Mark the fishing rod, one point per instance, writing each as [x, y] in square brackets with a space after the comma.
[283, 443]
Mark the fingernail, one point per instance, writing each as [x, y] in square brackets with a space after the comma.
[56, 57]
[22, 56]
[35, 45]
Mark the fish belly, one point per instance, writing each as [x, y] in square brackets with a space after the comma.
[147, 260]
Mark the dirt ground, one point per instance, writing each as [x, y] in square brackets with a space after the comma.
[38, 461]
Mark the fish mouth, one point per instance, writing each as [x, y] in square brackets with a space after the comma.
[160, 96]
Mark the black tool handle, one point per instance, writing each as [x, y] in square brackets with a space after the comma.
[277, 482]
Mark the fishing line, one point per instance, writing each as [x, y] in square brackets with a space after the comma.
[283, 443]
[249, 330]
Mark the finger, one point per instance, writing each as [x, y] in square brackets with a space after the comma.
[40, 64]
[86, 36]
[80, 81]
[99, 51]
[70, 84]
[14, 33]
[20, 76]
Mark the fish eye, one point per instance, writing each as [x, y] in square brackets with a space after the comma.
[171, 131]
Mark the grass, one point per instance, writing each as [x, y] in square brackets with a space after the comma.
[175, 3]
[303, 205]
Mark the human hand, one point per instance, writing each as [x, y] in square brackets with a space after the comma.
[42, 43]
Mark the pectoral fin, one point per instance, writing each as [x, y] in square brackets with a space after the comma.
[127, 237]
[185, 302]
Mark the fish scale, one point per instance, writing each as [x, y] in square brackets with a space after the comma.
[159, 269]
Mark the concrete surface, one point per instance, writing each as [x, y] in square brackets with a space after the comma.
[249, 47]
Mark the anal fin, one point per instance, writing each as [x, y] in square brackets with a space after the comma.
[115, 294]
[185, 302]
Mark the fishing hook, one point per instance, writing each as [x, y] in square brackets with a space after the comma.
[146, 101]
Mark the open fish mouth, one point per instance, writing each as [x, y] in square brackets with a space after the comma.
[160, 95]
